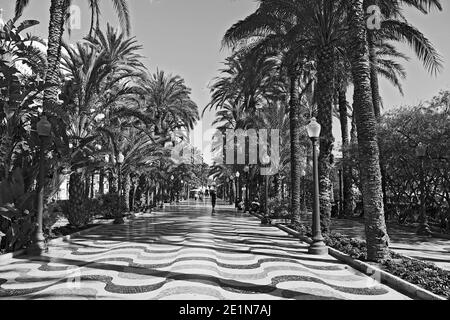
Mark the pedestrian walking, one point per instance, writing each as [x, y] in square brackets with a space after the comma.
[213, 194]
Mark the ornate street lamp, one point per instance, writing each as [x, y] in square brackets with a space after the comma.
[183, 190]
[231, 188]
[237, 188]
[266, 160]
[120, 160]
[247, 187]
[44, 129]
[318, 247]
[424, 228]
[172, 178]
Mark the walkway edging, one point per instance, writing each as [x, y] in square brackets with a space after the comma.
[394, 282]
[76, 234]
[79, 233]
[11, 255]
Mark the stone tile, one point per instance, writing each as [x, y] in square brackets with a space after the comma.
[184, 252]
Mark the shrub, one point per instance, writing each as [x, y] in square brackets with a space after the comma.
[424, 274]
[279, 208]
[76, 218]
[64, 207]
[109, 205]
[94, 207]
[17, 228]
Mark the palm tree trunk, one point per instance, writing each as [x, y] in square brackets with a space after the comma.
[126, 191]
[376, 98]
[55, 33]
[77, 215]
[112, 183]
[6, 147]
[374, 84]
[376, 235]
[295, 147]
[87, 186]
[354, 130]
[325, 98]
[133, 197]
[279, 186]
[346, 168]
[101, 182]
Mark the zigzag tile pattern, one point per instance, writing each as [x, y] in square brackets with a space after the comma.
[185, 252]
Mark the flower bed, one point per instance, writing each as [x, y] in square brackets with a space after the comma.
[424, 274]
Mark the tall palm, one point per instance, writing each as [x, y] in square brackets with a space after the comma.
[95, 69]
[316, 29]
[388, 67]
[396, 28]
[270, 31]
[376, 233]
[169, 103]
[250, 82]
[58, 14]
[19, 90]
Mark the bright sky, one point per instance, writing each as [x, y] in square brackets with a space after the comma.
[183, 37]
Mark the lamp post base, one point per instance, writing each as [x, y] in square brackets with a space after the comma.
[318, 248]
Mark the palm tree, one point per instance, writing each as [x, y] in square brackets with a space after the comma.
[168, 102]
[315, 30]
[269, 34]
[58, 15]
[376, 234]
[99, 80]
[247, 86]
[19, 90]
[396, 28]
[387, 67]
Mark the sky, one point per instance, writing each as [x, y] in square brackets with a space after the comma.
[183, 37]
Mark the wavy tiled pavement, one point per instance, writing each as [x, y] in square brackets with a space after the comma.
[185, 252]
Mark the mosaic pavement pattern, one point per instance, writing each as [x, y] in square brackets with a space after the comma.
[185, 253]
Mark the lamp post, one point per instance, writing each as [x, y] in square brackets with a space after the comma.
[341, 194]
[182, 190]
[227, 187]
[266, 160]
[231, 189]
[237, 188]
[247, 187]
[172, 178]
[318, 247]
[120, 160]
[44, 129]
[424, 228]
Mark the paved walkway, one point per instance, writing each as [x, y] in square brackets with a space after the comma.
[404, 241]
[185, 252]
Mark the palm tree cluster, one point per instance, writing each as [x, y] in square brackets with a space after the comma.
[302, 57]
[110, 117]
